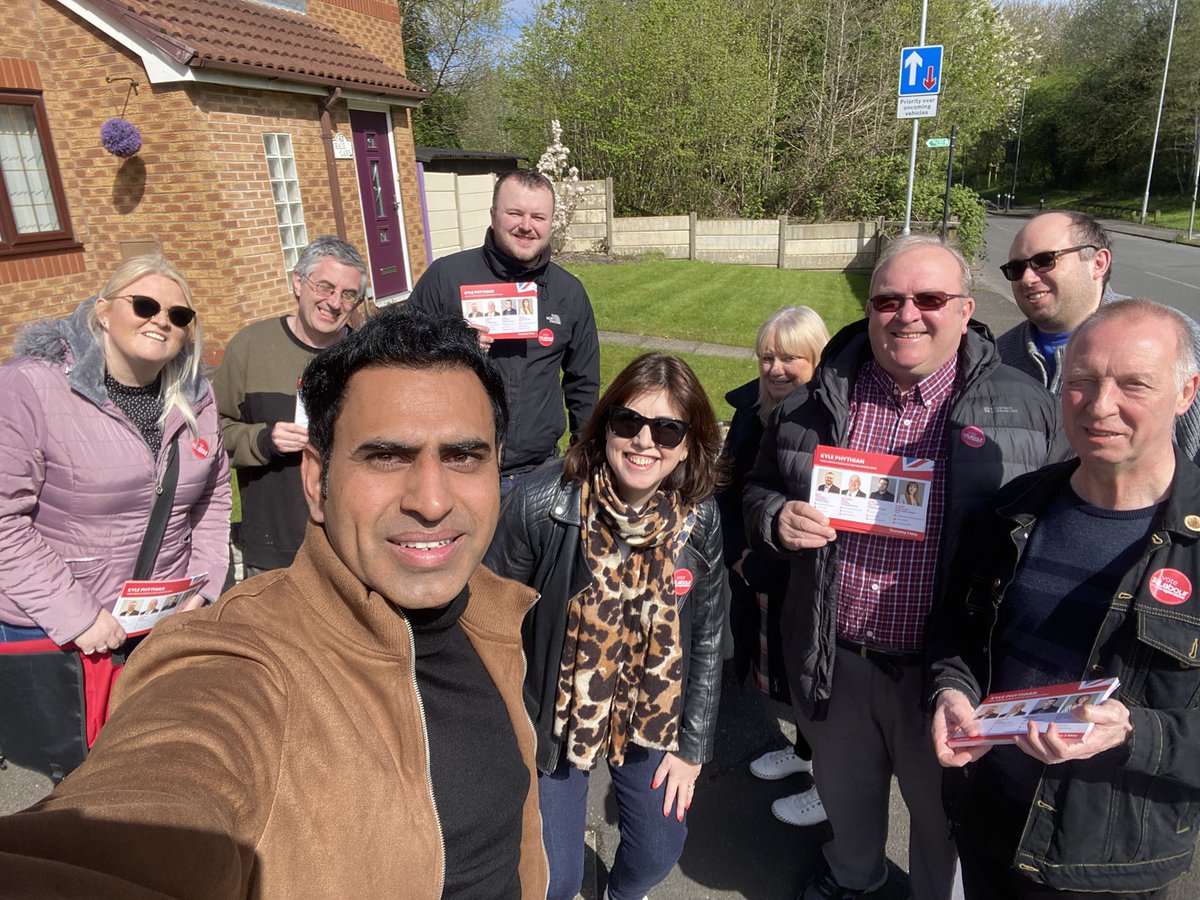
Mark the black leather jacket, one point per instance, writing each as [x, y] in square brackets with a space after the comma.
[1125, 820]
[538, 543]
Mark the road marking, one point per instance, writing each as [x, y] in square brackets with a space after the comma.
[1195, 287]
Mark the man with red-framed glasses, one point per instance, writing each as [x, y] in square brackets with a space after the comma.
[1059, 267]
[916, 378]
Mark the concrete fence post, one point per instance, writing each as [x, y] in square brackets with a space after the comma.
[608, 213]
[458, 215]
[691, 235]
[783, 221]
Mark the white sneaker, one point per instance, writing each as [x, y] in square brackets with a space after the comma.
[779, 764]
[800, 809]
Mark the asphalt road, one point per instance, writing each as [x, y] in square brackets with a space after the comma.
[1142, 267]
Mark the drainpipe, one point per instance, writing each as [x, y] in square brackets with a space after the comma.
[335, 190]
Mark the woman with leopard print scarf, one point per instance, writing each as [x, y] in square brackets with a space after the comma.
[622, 540]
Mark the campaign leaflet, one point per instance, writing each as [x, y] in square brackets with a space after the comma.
[508, 311]
[301, 412]
[872, 493]
[142, 603]
[1005, 715]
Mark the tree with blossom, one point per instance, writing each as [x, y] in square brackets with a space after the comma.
[567, 190]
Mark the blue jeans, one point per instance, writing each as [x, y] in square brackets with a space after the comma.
[20, 633]
[509, 483]
[651, 843]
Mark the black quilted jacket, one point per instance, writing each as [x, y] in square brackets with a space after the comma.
[538, 543]
[1019, 420]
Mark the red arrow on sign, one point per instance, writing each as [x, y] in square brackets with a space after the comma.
[929, 81]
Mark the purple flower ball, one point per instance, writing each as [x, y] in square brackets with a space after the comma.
[120, 138]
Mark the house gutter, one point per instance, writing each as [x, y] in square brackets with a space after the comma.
[335, 190]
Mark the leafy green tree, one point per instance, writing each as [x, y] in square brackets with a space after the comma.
[449, 49]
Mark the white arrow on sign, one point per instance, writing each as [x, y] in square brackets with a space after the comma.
[912, 62]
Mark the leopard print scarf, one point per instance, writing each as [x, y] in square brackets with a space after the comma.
[621, 675]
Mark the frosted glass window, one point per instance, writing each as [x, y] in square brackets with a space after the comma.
[285, 188]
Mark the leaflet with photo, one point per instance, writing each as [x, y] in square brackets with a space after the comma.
[1005, 715]
[143, 603]
[872, 493]
[507, 310]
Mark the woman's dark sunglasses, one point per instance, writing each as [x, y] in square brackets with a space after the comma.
[926, 301]
[668, 433]
[148, 308]
[1039, 262]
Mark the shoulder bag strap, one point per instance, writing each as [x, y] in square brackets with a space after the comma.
[164, 498]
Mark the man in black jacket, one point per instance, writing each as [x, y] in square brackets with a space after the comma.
[517, 250]
[918, 379]
[1086, 569]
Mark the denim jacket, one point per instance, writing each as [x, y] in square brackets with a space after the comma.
[1126, 819]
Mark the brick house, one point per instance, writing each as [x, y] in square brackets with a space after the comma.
[264, 124]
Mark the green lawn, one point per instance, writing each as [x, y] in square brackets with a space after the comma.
[718, 374]
[721, 304]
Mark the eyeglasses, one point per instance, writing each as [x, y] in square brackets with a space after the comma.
[926, 301]
[666, 432]
[325, 290]
[147, 308]
[1039, 262]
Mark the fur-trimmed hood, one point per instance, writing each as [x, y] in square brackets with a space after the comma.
[69, 342]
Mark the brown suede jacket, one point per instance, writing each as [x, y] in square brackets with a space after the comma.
[272, 745]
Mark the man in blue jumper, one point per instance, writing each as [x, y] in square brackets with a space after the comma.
[1060, 265]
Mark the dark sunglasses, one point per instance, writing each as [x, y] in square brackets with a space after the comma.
[1039, 262]
[148, 308]
[926, 301]
[666, 432]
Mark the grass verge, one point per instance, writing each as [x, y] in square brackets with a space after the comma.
[718, 374]
[1173, 211]
[720, 304]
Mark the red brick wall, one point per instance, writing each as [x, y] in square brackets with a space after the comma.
[198, 187]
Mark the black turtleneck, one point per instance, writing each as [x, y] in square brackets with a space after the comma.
[479, 780]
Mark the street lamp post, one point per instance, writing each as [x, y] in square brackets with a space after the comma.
[1017, 156]
[1195, 180]
[1158, 120]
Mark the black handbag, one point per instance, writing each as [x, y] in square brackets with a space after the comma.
[53, 700]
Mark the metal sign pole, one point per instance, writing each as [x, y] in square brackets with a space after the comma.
[916, 126]
[949, 182]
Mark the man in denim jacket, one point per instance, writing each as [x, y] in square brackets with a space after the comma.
[1084, 570]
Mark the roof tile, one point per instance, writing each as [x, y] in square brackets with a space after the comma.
[247, 37]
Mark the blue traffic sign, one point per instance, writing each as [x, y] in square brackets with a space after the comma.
[920, 70]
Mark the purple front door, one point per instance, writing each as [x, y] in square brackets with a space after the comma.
[381, 209]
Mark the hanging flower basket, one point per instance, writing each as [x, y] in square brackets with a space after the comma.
[120, 137]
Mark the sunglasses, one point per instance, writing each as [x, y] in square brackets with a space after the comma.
[1039, 262]
[926, 301]
[667, 433]
[147, 308]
